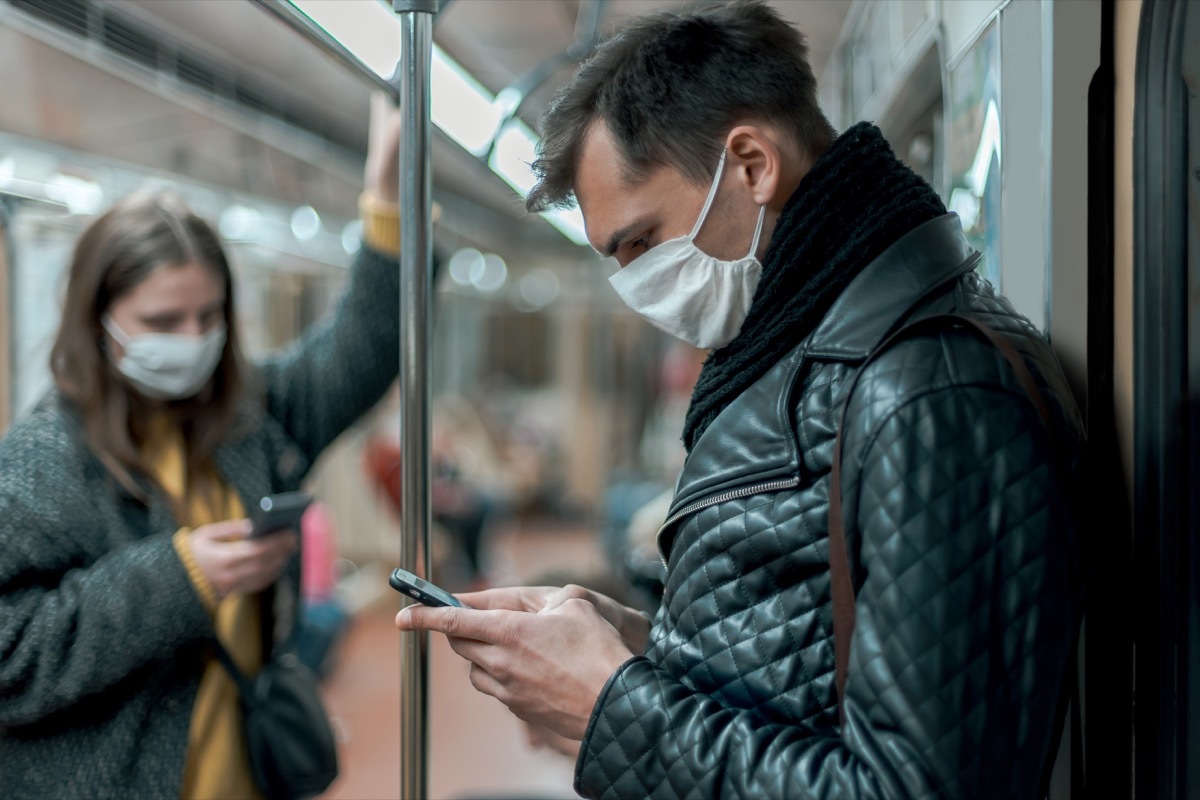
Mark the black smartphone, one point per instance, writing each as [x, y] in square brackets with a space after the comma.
[280, 512]
[421, 590]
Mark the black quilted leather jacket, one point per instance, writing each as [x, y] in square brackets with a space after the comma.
[960, 520]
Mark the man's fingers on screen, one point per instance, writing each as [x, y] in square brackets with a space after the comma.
[444, 619]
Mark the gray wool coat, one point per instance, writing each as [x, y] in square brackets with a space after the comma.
[102, 637]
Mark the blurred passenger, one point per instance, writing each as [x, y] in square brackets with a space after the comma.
[632, 507]
[325, 618]
[123, 548]
[468, 484]
[744, 223]
[661, 449]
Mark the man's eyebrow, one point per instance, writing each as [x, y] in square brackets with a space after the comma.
[615, 240]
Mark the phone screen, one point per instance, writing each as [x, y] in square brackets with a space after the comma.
[422, 590]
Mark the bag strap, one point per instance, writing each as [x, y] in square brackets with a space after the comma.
[244, 684]
[841, 583]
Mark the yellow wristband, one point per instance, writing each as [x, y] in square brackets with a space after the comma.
[381, 224]
[204, 588]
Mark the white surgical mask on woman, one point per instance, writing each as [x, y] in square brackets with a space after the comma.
[168, 366]
[680, 289]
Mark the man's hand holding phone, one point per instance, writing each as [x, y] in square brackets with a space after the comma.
[541, 651]
[633, 625]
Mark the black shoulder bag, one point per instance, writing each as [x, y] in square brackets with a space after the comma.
[292, 751]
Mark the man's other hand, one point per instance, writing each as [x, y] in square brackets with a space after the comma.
[548, 664]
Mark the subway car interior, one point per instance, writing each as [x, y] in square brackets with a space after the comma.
[1065, 134]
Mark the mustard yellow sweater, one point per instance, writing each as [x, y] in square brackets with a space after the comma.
[217, 765]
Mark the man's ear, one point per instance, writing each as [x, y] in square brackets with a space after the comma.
[757, 161]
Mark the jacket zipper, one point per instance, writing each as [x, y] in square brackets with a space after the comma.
[745, 491]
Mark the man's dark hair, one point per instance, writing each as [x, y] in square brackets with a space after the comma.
[671, 85]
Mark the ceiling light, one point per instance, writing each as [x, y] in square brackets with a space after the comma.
[237, 222]
[538, 288]
[80, 195]
[352, 237]
[463, 263]
[458, 104]
[366, 28]
[306, 223]
[489, 273]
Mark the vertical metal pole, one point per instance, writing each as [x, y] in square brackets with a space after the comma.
[416, 251]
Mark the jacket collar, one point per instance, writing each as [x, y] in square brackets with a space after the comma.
[752, 441]
[880, 296]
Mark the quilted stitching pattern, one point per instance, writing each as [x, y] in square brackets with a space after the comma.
[957, 609]
[962, 537]
[721, 638]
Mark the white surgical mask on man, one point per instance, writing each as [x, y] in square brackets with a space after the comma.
[680, 289]
[168, 366]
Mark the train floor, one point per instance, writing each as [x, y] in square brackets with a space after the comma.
[477, 749]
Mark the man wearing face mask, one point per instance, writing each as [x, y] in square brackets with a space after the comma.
[903, 629]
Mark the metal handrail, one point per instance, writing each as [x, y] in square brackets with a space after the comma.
[411, 92]
[416, 303]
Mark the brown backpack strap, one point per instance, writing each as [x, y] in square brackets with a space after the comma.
[841, 582]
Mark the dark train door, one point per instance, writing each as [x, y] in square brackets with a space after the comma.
[1166, 343]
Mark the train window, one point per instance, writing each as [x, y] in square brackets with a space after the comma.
[42, 239]
[974, 147]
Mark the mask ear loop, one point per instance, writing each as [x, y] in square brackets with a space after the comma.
[712, 192]
[110, 325]
[217, 331]
[762, 213]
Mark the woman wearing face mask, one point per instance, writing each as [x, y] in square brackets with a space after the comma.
[123, 543]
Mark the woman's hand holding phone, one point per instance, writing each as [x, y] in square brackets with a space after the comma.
[236, 564]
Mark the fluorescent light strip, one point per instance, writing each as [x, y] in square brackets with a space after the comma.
[462, 108]
[366, 28]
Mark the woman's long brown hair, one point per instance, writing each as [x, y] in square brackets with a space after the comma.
[135, 237]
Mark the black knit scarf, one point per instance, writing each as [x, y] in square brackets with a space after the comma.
[855, 202]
